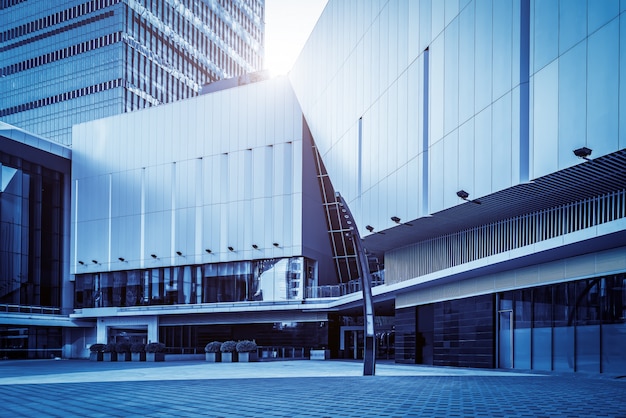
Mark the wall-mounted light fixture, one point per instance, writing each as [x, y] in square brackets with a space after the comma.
[94, 261]
[122, 259]
[256, 247]
[276, 244]
[154, 256]
[465, 196]
[208, 251]
[370, 228]
[82, 263]
[231, 249]
[583, 153]
[398, 221]
[179, 253]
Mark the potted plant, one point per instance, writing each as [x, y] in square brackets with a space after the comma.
[123, 351]
[212, 352]
[247, 351]
[96, 352]
[138, 352]
[155, 352]
[109, 353]
[229, 353]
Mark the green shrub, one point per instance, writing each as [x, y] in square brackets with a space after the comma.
[122, 347]
[228, 347]
[155, 348]
[109, 348]
[246, 346]
[213, 347]
[138, 348]
[97, 348]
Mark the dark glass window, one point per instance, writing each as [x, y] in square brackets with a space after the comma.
[31, 227]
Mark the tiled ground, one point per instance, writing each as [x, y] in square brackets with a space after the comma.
[425, 395]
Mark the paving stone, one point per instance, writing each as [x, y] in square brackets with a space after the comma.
[73, 389]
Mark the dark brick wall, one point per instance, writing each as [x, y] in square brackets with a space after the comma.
[464, 332]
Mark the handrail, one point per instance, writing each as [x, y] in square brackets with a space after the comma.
[28, 309]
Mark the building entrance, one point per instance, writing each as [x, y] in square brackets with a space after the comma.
[132, 336]
[505, 339]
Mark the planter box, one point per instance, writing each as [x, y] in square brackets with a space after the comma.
[155, 356]
[109, 356]
[320, 354]
[96, 356]
[248, 357]
[138, 356]
[229, 357]
[213, 357]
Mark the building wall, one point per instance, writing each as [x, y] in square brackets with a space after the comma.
[410, 102]
[219, 170]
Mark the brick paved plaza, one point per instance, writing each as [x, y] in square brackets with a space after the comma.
[75, 388]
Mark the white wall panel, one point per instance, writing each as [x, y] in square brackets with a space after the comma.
[545, 117]
[207, 184]
[451, 169]
[466, 157]
[482, 154]
[501, 144]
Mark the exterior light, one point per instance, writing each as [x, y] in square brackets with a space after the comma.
[256, 247]
[153, 256]
[397, 220]
[276, 245]
[369, 228]
[208, 251]
[179, 253]
[465, 196]
[82, 263]
[231, 249]
[121, 259]
[583, 153]
[94, 261]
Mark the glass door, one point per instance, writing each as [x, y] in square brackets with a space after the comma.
[505, 339]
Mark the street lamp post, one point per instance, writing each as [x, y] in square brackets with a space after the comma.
[369, 356]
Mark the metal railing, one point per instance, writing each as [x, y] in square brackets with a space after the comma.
[476, 243]
[337, 290]
[43, 310]
[268, 353]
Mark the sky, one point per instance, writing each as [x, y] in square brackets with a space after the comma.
[288, 24]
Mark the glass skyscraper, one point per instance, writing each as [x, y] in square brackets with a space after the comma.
[71, 61]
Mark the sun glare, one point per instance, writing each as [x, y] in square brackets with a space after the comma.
[288, 24]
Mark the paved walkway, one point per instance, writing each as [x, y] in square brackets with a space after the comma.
[77, 388]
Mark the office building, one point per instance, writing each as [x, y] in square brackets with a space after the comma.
[35, 289]
[71, 61]
[478, 145]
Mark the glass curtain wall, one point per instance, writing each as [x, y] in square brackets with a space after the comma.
[574, 326]
[262, 280]
[30, 231]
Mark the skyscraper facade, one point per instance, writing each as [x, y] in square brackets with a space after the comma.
[72, 61]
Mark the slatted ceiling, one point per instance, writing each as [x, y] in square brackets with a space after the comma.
[588, 179]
